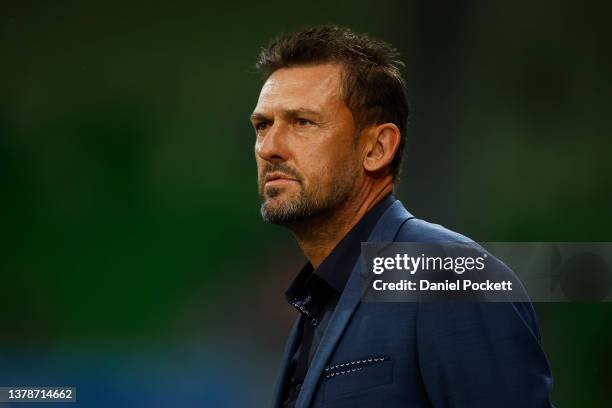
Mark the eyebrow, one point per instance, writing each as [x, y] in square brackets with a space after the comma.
[287, 114]
[259, 117]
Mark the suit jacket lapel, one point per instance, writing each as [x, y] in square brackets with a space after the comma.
[384, 231]
[292, 343]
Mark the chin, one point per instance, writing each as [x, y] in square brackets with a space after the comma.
[278, 200]
[280, 193]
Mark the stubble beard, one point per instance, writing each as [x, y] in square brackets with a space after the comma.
[299, 210]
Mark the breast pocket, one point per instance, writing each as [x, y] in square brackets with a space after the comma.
[356, 375]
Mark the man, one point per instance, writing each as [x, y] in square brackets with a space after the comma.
[330, 129]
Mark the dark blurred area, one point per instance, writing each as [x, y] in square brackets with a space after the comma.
[135, 265]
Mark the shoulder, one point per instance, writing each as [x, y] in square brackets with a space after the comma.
[399, 225]
[418, 230]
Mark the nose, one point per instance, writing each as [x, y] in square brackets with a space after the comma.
[272, 146]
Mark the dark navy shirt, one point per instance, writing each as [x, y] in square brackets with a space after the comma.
[315, 293]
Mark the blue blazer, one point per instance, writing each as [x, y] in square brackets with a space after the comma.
[429, 354]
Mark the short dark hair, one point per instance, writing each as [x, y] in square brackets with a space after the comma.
[373, 87]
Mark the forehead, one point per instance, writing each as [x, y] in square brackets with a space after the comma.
[314, 87]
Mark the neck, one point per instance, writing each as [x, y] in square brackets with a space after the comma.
[320, 235]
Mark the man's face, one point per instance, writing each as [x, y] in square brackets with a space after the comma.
[306, 154]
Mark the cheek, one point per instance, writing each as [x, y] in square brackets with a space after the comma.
[313, 167]
[323, 168]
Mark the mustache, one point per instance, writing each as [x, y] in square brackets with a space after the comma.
[281, 168]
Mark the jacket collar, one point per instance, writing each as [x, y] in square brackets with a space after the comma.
[385, 230]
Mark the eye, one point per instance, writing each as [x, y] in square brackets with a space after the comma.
[259, 126]
[303, 122]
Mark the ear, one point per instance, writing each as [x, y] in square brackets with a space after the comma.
[381, 147]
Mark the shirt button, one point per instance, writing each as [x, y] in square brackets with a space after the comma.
[298, 386]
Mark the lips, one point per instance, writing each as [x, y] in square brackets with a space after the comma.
[276, 178]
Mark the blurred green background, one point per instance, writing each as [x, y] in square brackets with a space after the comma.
[134, 263]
